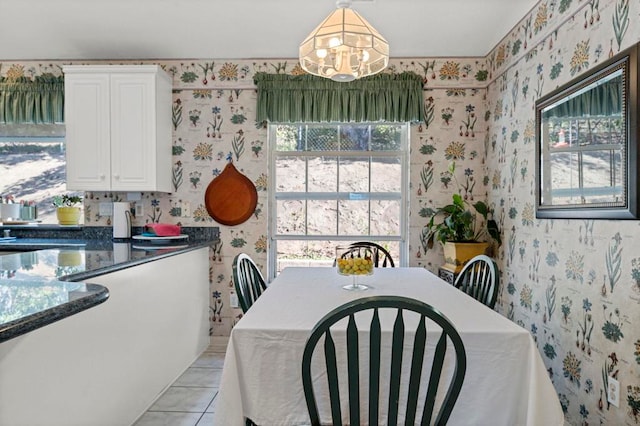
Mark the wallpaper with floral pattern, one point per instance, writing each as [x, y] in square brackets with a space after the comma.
[574, 284]
[213, 116]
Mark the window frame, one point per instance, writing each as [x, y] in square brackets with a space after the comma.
[403, 196]
[36, 134]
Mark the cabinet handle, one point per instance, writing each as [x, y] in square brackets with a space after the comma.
[116, 177]
[102, 177]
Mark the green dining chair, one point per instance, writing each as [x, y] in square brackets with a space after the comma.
[380, 255]
[479, 279]
[248, 281]
[439, 327]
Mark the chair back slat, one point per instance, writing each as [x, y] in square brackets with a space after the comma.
[448, 333]
[307, 385]
[397, 347]
[434, 379]
[374, 368]
[417, 359]
[479, 279]
[475, 280]
[332, 377]
[484, 278]
[353, 371]
[248, 281]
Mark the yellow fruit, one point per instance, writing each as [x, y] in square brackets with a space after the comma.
[355, 266]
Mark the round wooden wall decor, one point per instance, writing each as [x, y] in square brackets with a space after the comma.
[231, 197]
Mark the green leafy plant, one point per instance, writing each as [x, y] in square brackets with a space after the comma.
[66, 200]
[457, 222]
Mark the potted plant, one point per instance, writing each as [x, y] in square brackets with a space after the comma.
[67, 209]
[457, 228]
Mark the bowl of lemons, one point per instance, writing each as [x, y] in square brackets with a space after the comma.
[354, 262]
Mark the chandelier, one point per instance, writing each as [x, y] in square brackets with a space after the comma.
[344, 47]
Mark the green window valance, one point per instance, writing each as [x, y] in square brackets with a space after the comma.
[37, 101]
[604, 99]
[284, 98]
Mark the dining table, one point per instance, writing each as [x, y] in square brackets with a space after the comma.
[506, 382]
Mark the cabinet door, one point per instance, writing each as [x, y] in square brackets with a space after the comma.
[133, 132]
[87, 131]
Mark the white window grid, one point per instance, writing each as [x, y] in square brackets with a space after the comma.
[274, 196]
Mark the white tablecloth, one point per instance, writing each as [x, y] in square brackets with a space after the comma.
[506, 382]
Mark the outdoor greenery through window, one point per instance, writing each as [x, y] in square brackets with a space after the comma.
[335, 184]
[33, 166]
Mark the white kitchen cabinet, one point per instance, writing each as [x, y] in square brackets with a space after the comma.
[118, 128]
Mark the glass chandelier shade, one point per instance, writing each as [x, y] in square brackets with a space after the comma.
[344, 47]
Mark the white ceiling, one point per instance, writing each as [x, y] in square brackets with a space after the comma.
[241, 29]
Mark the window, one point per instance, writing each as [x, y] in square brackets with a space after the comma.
[335, 184]
[33, 166]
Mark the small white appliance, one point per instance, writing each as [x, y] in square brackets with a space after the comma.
[121, 220]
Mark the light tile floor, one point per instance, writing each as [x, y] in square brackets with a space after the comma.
[191, 399]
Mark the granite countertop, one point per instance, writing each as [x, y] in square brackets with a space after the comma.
[43, 280]
[28, 305]
[80, 260]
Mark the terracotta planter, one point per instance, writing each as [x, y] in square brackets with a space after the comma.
[457, 254]
[68, 215]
